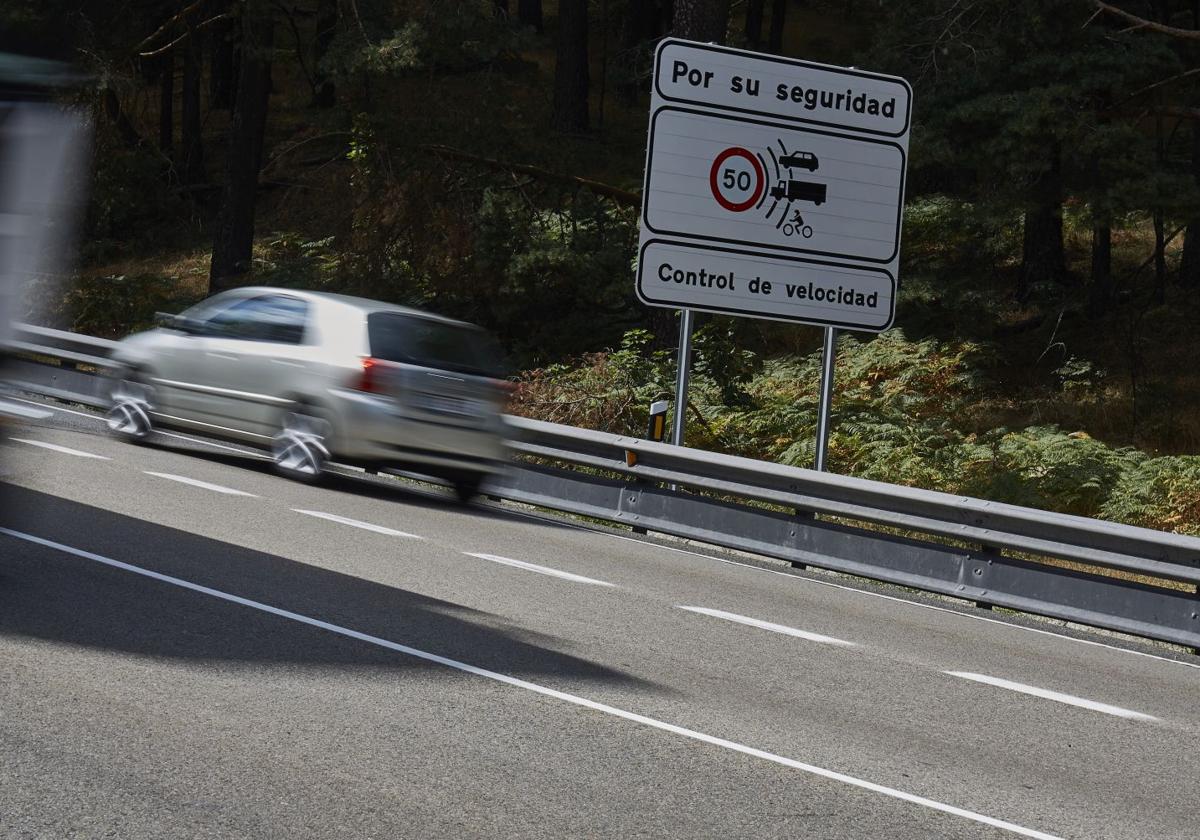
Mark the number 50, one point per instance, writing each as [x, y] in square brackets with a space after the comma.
[734, 178]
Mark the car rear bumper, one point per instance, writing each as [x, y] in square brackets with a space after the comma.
[377, 429]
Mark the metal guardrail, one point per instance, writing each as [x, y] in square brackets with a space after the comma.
[990, 553]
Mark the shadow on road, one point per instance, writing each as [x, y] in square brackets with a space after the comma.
[55, 596]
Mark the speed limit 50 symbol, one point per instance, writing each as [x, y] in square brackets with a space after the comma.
[737, 179]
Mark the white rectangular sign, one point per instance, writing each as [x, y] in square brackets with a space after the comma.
[778, 170]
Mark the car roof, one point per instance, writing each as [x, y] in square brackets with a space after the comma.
[366, 305]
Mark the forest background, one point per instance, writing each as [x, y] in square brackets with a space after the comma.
[483, 159]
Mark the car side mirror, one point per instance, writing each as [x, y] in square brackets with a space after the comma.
[178, 322]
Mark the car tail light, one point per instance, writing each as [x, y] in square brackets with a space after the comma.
[368, 380]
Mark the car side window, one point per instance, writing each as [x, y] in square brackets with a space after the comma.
[278, 319]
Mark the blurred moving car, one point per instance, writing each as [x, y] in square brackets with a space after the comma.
[319, 377]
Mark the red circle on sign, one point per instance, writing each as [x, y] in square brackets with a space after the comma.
[760, 180]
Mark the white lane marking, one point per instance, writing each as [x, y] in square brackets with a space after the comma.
[239, 450]
[57, 408]
[14, 410]
[541, 570]
[216, 488]
[1056, 696]
[766, 625]
[573, 699]
[354, 523]
[65, 450]
[98, 418]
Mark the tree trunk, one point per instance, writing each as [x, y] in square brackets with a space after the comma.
[571, 67]
[117, 116]
[327, 24]
[166, 102]
[1189, 261]
[1100, 297]
[1160, 258]
[234, 237]
[775, 38]
[529, 12]
[640, 27]
[754, 22]
[1042, 257]
[502, 9]
[1160, 245]
[220, 67]
[190, 130]
[701, 20]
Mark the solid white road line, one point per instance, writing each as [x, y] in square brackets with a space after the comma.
[541, 570]
[100, 419]
[65, 450]
[573, 699]
[239, 450]
[766, 625]
[1056, 696]
[216, 488]
[354, 523]
[13, 409]
[58, 408]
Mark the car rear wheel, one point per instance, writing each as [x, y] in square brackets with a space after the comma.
[132, 401]
[300, 450]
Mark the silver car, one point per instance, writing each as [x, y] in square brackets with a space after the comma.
[318, 377]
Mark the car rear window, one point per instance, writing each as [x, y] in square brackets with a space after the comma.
[396, 337]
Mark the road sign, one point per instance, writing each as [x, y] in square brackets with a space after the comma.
[774, 187]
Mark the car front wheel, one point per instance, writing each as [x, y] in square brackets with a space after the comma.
[129, 415]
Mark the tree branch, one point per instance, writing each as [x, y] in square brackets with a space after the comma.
[624, 198]
[171, 21]
[1143, 23]
[185, 35]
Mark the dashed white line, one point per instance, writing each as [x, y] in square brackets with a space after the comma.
[831, 584]
[354, 523]
[541, 570]
[65, 450]
[216, 488]
[573, 699]
[860, 591]
[1056, 696]
[766, 625]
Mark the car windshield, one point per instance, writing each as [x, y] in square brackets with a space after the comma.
[398, 337]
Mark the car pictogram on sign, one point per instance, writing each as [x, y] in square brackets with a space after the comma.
[800, 160]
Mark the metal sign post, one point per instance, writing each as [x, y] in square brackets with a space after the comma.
[828, 361]
[683, 368]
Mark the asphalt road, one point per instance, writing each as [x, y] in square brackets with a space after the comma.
[191, 646]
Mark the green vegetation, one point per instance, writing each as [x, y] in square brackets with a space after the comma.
[435, 154]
